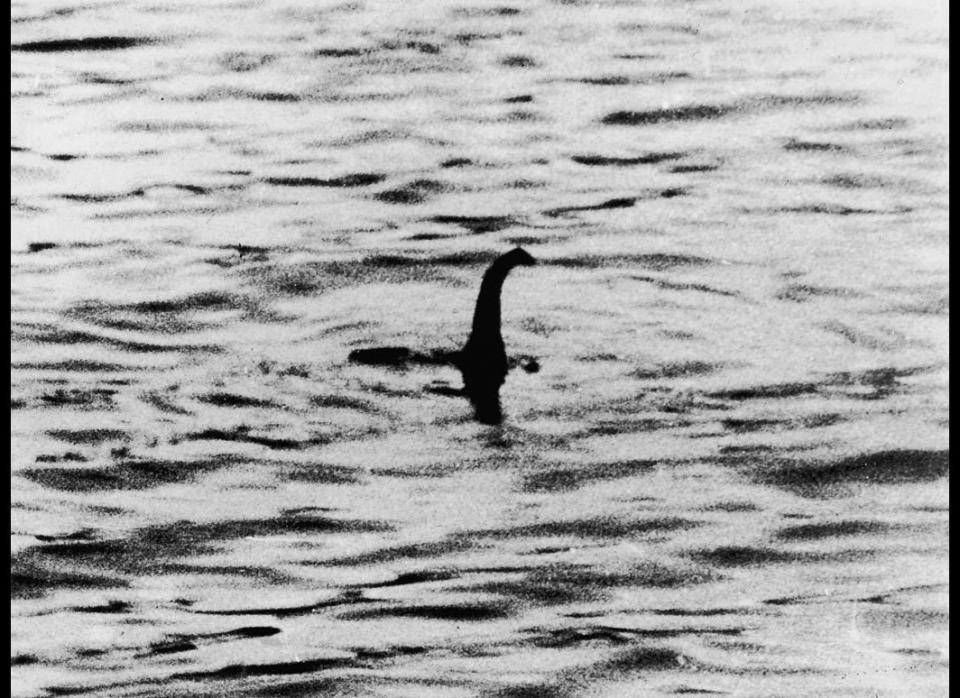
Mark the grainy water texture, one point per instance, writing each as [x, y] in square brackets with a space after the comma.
[729, 475]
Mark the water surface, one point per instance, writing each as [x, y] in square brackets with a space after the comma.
[729, 475]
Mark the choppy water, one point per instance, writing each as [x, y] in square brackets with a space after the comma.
[730, 474]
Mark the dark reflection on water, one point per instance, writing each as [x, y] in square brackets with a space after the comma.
[246, 244]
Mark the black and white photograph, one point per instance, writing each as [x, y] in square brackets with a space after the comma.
[479, 348]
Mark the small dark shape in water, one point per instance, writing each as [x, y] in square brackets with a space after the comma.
[518, 62]
[530, 364]
[242, 435]
[840, 210]
[415, 192]
[703, 112]
[879, 124]
[188, 643]
[816, 421]
[688, 690]
[23, 660]
[519, 99]
[647, 659]
[360, 179]
[423, 237]
[658, 261]
[746, 426]
[486, 11]
[695, 611]
[82, 534]
[192, 188]
[389, 653]
[88, 436]
[241, 62]
[68, 456]
[381, 356]
[606, 80]
[678, 370]
[615, 203]
[452, 612]
[321, 473]
[469, 37]
[100, 198]
[414, 551]
[111, 607]
[683, 169]
[800, 293]
[649, 159]
[340, 401]
[574, 637]
[766, 391]
[340, 52]
[415, 578]
[477, 224]
[853, 181]
[456, 162]
[258, 253]
[97, 398]
[672, 192]
[612, 203]
[545, 690]
[883, 381]
[97, 79]
[63, 157]
[41, 246]
[656, 116]
[245, 671]
[93, 43]
[831, 529]
[521, 115]
[252, 631]
[423, 47]
[597, 527]
[233, 400]
[743, 556]
[525, 184]
[794, 144]
[172, 647]
[84, 652]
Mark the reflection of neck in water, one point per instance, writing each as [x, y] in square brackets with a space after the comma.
[483, 360]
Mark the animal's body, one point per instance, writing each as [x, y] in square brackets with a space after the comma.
[483, 359]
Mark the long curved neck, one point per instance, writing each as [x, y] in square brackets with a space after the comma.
[486, 315]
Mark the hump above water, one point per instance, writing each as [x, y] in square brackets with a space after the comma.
[483, 359]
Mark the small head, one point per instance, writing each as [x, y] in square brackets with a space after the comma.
[519, 257]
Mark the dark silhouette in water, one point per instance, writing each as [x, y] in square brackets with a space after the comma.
[483, 359]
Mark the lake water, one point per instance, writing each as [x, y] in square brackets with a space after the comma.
[729, 475]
